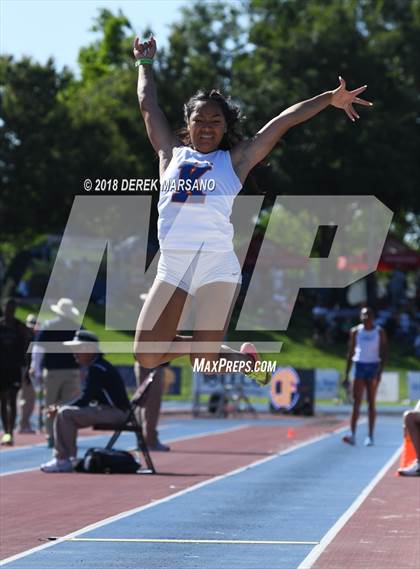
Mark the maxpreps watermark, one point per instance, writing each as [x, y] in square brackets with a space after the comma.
[137, 185]
[222, 365]
[121, 227]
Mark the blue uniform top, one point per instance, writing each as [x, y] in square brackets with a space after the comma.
[103, 385]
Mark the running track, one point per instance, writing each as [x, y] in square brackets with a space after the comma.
[280, 480]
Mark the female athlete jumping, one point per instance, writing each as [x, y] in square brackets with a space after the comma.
[201, 171]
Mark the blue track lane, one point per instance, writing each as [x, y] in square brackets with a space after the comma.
[298, 496]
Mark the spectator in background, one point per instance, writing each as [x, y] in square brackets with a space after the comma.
[27, 393]
[406, 323]
[412, 427]
[397, 288]
[61, 374]
[319, 318]
[103, 400]
[13, 345]
[391, 324]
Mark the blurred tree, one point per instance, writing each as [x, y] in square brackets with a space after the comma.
[57, 129]
[111, 52]
[296, 50]
[34, 155]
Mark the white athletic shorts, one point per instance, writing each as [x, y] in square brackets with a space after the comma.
[190, 270]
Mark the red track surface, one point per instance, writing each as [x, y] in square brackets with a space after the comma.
[37, 505]
[383, 533]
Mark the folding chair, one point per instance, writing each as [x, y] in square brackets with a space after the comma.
[131, 424]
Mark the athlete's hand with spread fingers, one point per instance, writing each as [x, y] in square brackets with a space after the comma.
[144, 49]
[343, 99]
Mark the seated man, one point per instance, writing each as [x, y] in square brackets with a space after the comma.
[103, 400]
[412, 427]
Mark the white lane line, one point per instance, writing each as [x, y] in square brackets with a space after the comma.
[195, 541]
[139, 509]
[12, 450]
[6, 452]
[183, 438]
[310, 559]
[208, 433]
[19, 471]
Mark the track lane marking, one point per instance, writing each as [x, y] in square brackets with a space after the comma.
[192, 541]
[313, 556]
[198, 486]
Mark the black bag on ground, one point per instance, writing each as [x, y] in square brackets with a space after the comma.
[104, 461]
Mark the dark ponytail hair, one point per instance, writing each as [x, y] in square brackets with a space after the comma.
[230, 110]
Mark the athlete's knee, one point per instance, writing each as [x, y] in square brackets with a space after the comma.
[65, 412]
[148, 361]
[357, 400]
[371, 406]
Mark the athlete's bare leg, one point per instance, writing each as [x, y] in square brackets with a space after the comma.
[161, 317]
[215, 303]
[158, 323]
[371, 388]
[358, 390]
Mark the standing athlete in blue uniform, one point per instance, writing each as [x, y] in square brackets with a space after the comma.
[367, 352]
[201, 172]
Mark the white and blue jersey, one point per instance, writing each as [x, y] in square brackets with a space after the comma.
[367, 345]
[197, 192]
[366, 356]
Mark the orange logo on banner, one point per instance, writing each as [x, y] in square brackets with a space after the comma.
[284, 388]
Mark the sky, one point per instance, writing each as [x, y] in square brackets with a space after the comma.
[58, 28]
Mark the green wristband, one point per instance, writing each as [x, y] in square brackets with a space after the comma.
[144, 61]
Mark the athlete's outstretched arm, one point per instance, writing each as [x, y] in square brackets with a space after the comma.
[249, 152]
[158, 130]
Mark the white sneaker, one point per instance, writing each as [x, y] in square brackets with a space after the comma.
[412, 470]
[369, 442]
[57, 465]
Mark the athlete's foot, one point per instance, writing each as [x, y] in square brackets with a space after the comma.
[412, 470]
[261, 377]
[7, 439]
[369, 441]
[349, 439]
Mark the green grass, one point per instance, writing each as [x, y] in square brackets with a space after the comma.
[298, 348]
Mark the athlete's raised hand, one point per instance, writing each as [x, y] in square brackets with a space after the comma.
[144, 49]
[343, 99]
